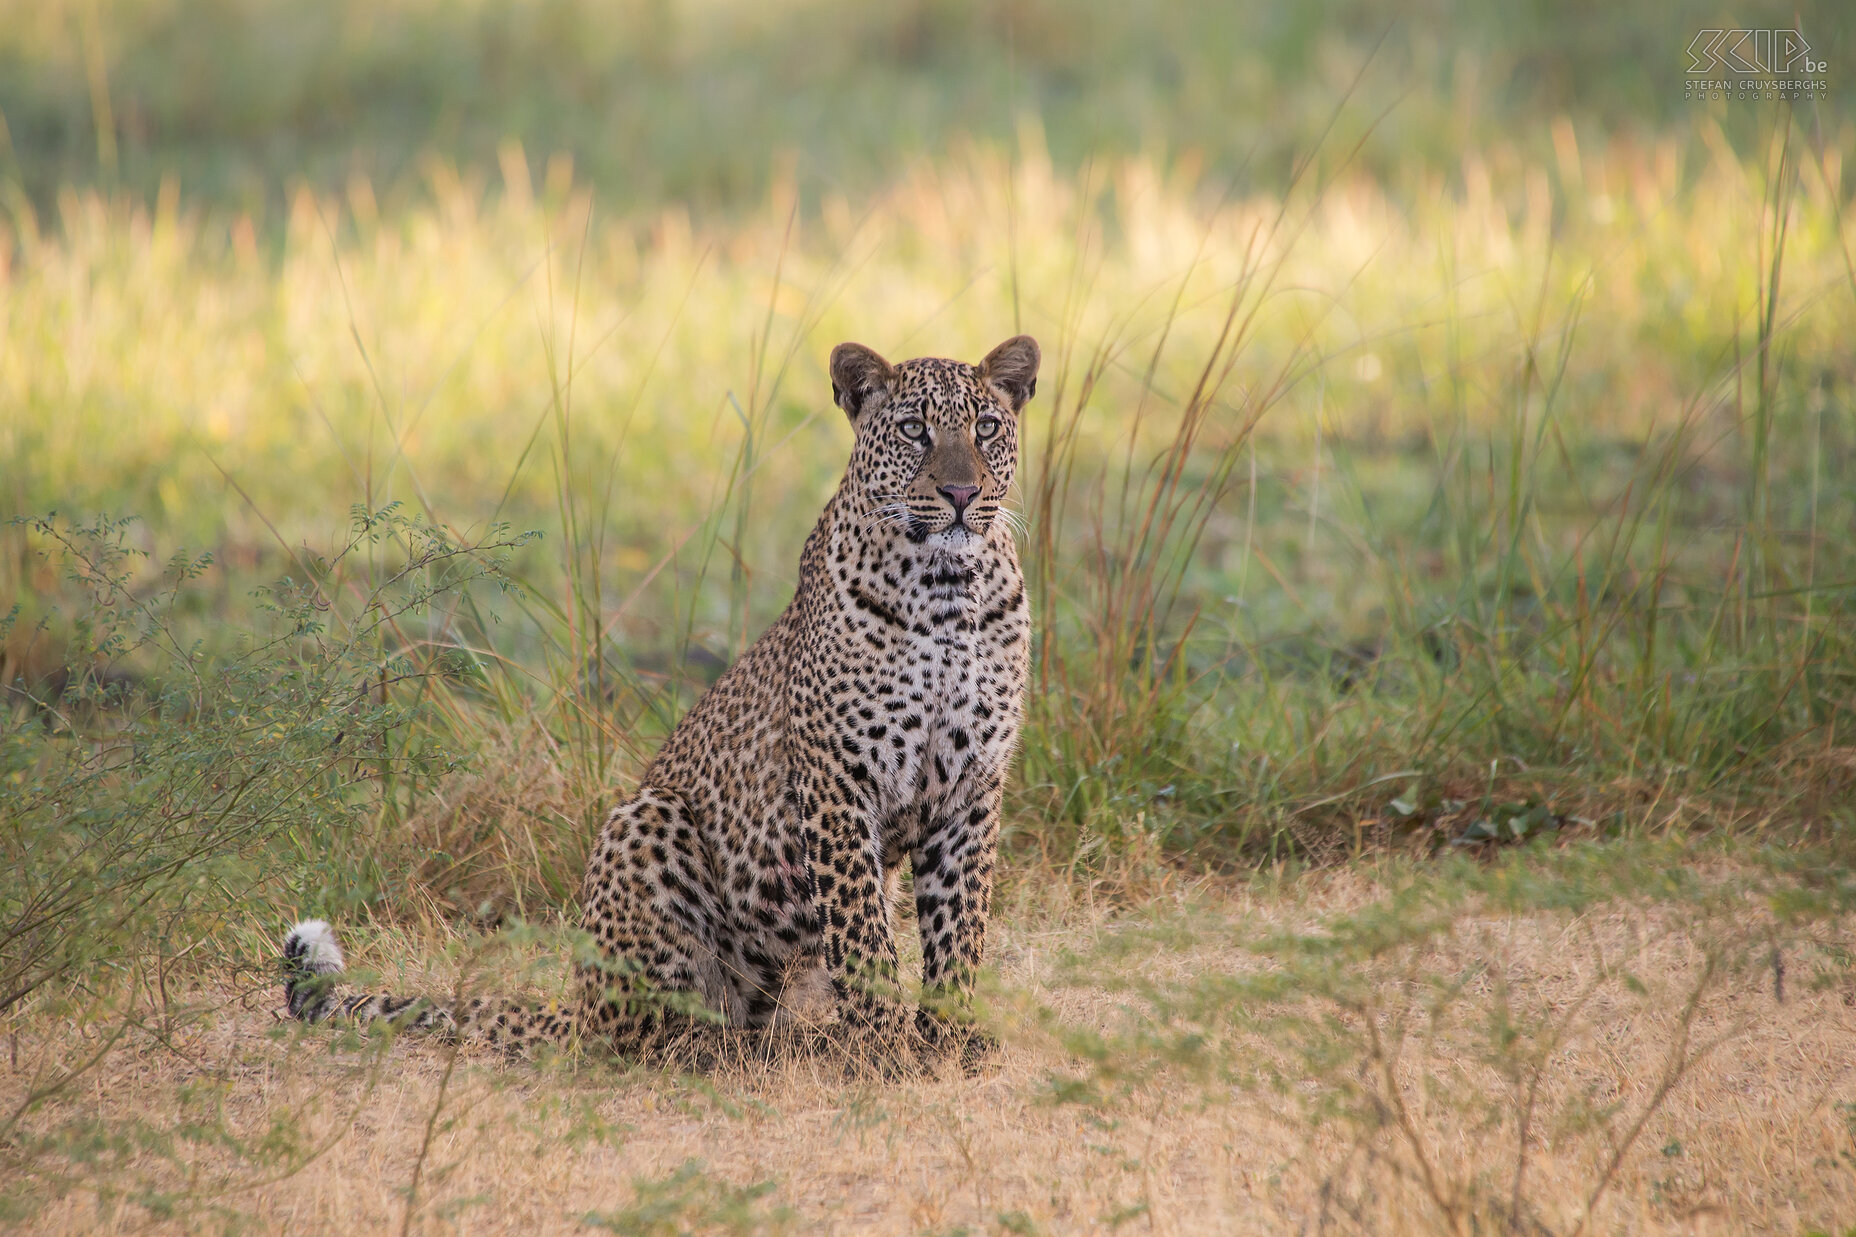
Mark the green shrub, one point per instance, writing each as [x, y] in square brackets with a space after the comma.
[239, 773]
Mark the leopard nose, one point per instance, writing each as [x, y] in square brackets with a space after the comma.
[959, 495]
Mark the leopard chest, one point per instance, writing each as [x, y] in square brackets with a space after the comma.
[934, 656]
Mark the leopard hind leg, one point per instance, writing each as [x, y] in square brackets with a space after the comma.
[661, 990]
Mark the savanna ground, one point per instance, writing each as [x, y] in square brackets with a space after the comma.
[1436, 803]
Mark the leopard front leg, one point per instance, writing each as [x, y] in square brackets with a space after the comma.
[849, 896]
[953, 865]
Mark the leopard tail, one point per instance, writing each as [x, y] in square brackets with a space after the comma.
[313, 992]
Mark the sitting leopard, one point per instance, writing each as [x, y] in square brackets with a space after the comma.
[873, 722]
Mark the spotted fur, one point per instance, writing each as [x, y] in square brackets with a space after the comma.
[871, 724]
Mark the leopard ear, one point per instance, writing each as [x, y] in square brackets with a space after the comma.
[1012, 369]
[857, 375]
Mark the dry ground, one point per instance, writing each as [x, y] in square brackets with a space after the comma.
[1753, 1135]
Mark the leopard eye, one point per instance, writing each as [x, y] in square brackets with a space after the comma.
[985, 428]
[915, 428]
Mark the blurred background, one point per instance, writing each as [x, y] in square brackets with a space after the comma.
[703, 103]
[1446, 417]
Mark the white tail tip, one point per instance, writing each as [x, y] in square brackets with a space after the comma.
[312, 944]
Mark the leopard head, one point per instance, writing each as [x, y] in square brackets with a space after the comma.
[937, 440]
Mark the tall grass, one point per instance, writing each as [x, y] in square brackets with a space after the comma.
[1502, 502]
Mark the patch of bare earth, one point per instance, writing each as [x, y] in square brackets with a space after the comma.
[1679, 1094]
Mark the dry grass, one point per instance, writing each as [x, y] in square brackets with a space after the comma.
[1750, 1137]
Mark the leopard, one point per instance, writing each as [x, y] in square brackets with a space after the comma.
[753, 880]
